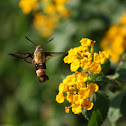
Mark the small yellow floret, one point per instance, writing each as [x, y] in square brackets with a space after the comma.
[69, 59]
[28, 5]
[101, 57]
[106, 54]
[85, 63]
[82, 77]
[62, 88]
[84, 92]
[87, 104]
[69, 97]
[95, 68]
[45, 24]
[93, 87]
[65, 13]
[67, 109]
[85, 42]
[60, 98]
[50, 9]
[123, 19]
[77, 109]
[77, 99]
[68, 79]
[75, 65]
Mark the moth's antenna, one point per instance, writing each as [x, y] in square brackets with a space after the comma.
[30, 40]
[48, 41]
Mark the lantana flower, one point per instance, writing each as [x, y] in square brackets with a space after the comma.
[76, 87]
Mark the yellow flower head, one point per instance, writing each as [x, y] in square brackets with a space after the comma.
[82, 77]
[50, 9]
[63, 88]
[85, 63]
[93, 87]
[95, 68]
[76, 108]
[75, 65]
[53, 11]
[28, 5]
[69, 97]
[123, 19]
[84, 92]
[81, 85]
[69, 79]
[87, 104]
[106, 54]
[85, 42]
[67, 109]
[60, 98]
[45, 24]
[70, 58]
[77, 99]
[101, 57]
[114, 40]
[65, 13]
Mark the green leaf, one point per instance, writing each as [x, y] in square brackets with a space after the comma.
[96, 118]
[101, 79]
[113, 115]
[98, 114]
[117, 107]
[97, 78]
[123, 57]
[122, 71]
[123, 104]
[105, 67]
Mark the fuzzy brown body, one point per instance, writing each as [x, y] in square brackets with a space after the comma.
[39, 59]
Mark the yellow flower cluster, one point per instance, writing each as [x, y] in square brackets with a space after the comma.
[28, 5]
[81, 57]
[75, 88]
[47, 13]
[45, 24]
[115, 39]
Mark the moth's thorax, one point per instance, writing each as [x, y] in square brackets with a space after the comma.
[39, 56]
[38, 48]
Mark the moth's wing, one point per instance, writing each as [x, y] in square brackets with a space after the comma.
[50, 54]
[24, 56]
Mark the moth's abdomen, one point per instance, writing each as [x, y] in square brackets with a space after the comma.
[41, 72]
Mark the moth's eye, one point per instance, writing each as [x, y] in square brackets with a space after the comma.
[36, 66]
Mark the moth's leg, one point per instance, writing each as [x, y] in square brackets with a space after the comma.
[27, 61]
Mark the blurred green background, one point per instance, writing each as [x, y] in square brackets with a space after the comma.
[23, 100]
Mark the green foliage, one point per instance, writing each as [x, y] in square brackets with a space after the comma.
[106, 67]
[121, 70]
[100, 79]
[117, 107]
[100, 110]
